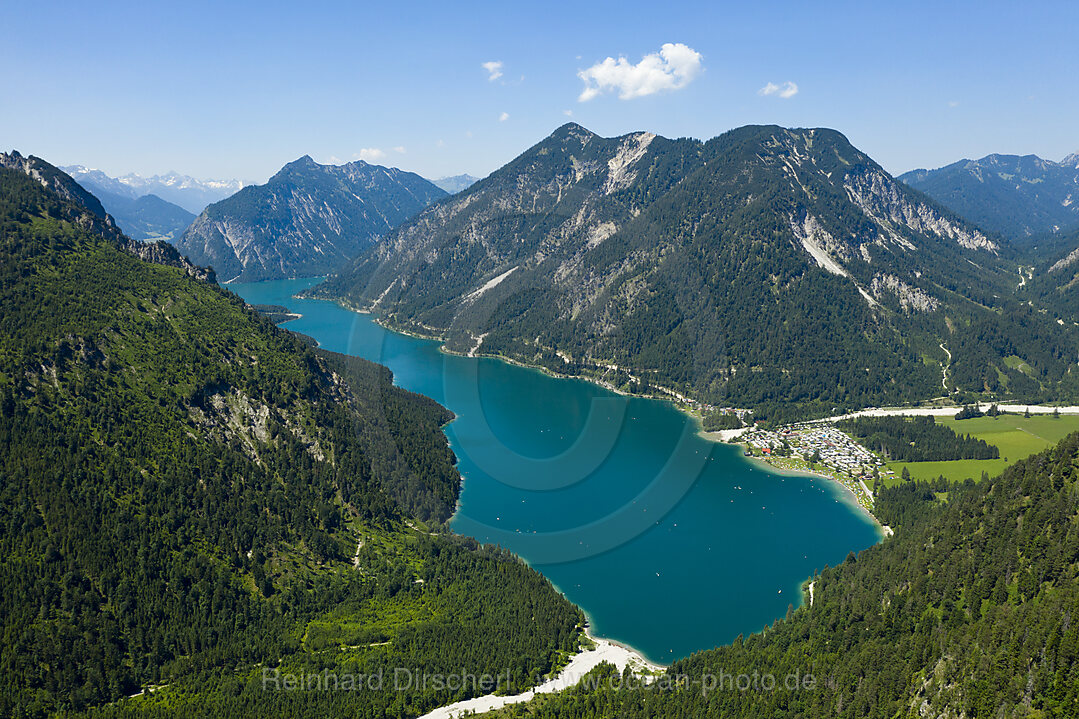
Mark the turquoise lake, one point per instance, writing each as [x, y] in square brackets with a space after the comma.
[670, 543]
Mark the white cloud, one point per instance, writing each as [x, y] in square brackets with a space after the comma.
[503, 117]
[568, 113]
[494, 69]
[399, 149]
[440, 143]
[672, 68]
[786, 90]
[953, 103]
[370, 154]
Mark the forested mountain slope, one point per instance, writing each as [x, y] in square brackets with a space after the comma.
[147, 217]
[90, 214]
[307, 220]
[1016, 196]
[765, 267]
[1052, 276]
[968, 611]
[191, 495]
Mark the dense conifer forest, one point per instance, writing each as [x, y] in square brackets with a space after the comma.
[191, 494]
[918, 439]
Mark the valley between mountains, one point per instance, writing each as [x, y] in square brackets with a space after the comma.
[772, 269]
[205, 514]
[539, 360]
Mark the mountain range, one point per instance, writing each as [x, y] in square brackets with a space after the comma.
[183, 190]
[144, 218]
[194, 499]
[1018, 197]
[307, 220]
[765, 267]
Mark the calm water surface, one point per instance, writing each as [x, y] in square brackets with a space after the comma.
[669, 542]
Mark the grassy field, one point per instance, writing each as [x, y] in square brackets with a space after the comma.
[1016, 437]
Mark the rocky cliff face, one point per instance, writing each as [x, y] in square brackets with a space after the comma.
[61, 183]
[162, 253]
[883, 200]
[1071, 259]
[1053, 274]
[765, 262]
[309, 219]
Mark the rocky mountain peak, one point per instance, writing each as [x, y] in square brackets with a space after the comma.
[58, 181]
[308, 219]
[572, 134]
[300, 165]
[92, 216]
[630, 250]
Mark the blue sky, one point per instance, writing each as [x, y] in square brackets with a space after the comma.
[223, 90]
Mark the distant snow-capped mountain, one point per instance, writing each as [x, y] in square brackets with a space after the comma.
[189, 193]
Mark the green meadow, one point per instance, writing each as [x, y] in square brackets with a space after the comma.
[1015, 435]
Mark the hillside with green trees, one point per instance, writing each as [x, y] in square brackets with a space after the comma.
[1053, 274]
[916, 439]
[192, 496]
[772, 268]
[147, 217]
[969, 610]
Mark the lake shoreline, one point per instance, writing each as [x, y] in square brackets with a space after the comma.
[436, 345]
[883, 529]
[616, 647]
[475, 354]
[728, 436]
[938, 411]
[580, 664]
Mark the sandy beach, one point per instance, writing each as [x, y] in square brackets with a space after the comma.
[583, 662]
[727, 436]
